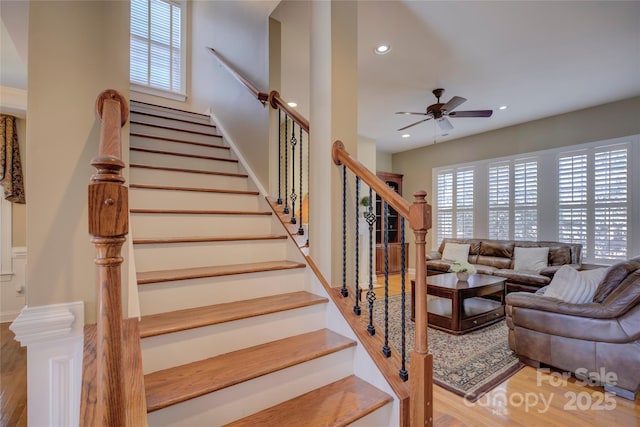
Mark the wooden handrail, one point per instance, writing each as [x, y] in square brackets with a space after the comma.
[277, 102]
[260, 96]
[419, 217]
[108, 226]
[341, 156]
[273, 98]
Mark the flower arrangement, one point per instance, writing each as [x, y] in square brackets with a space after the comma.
[462, 267]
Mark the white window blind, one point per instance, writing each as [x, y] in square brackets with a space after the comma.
[610, 204]
[572, 199]
[525, 200]
[464, 203]
[445, 205]
[157, 44]
[499, 201]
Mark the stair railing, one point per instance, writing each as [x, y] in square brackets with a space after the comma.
[420, 373]
[293, 154]
[108, 226]
[293, 130]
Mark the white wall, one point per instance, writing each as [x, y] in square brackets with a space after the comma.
[13, 287]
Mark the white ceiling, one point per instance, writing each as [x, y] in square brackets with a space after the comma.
[540, 58]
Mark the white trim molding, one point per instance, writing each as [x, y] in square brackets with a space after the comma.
[54, 337]
[14, 101]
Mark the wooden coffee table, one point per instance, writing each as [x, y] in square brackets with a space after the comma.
[459, 307]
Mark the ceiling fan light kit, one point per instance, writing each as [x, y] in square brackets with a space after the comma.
[440, 111]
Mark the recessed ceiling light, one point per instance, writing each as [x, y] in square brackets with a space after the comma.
[502, 107]
[382, 49]
[406, 135]
[292, 104]
[445, 134]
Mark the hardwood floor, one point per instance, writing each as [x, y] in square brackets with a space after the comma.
[13, 380]
[527, 399]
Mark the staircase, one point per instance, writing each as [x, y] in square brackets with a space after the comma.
[230, 333]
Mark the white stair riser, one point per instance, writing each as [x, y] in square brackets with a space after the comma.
[187, 255]
[169, 199]
[182, 162]
[186, 179]
[382, 417]
[170, 225]
[181, 294]
[177, 147]
[178, 348]
[232, 403]
[177, 124]
[174, 134]
[169, 112]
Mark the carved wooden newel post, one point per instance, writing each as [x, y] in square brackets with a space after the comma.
[421, 362]
[108, 224]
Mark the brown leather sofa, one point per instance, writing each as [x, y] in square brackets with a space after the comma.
[495, 257]
[602, 336]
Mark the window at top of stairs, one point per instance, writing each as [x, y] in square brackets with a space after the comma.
[158, 50]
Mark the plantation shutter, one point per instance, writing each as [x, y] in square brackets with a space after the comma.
[445, 205]
[572, 199]
[464, 203]
[525, 200]
[499, 200]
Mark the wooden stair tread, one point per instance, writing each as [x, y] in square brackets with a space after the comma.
[169, 169]
[174, 385]
[153, 125]
[147, 277]
[198, 239]
[181, 141]
[136, 405]
[134, 103]
[191, 156]
[200, 189]
[198, 212]
[160, 116]
[180, 320]
[336, 404]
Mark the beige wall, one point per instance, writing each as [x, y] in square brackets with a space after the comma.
[593, 124]
[384, 162]
[76, 50]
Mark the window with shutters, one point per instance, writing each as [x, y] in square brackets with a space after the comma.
[587, 194]
[499, 201]
[455, 203]
[158, 53]
[593, 201]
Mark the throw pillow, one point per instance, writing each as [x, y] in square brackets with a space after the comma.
[573, 286]
[456, 252]
[530, 259]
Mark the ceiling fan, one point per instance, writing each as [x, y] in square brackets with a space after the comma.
[439, 112]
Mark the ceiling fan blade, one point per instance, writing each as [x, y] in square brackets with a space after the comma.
[416, 123]
[471, 113]
[445, 124]
[410, 113]
[453, 103]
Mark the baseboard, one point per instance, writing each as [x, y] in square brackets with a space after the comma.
[9, 316]
[53, 335]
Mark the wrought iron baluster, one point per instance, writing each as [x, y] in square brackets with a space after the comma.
[371, 296]
[300, 229]
[404, 374]
[279, 156]
[286, 164]
[386, 350]
[344, 290]
[356, 307]
[293, 196]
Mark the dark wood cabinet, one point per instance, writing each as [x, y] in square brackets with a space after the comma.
[394, 181]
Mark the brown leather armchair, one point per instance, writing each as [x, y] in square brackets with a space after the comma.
[601, 336]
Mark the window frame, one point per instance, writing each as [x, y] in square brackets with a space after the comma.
[548, 201]
[180, 95]
[6, 244]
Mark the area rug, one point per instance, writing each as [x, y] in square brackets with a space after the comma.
[468, 365]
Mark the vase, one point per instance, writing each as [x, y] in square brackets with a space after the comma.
[462, 276]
